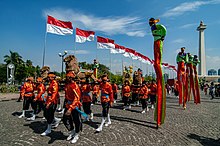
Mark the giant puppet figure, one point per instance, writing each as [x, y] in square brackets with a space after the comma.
[159, 33]
[196, 91]
[95, 68]
[181, 59]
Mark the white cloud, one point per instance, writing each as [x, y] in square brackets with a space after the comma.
[78, 52]
[189, 25]
[178, 41]
[187, 7]
[110, 25]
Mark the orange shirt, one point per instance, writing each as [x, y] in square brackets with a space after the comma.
[115, 88]
[126, 91]
[106, 92]
[135, 89]
[52, 92]
[85, 89]
[27, 90]
[143, 92]
[153, 89]
[72, 94]
[96, 90]
[40, 91]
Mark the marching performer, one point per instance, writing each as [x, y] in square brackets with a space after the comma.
[181, 59]
[86, 98]
[95, 93]
[73, 104]
[51, 104]
[115, 91]
[27, 94]
[40, 99]
[159, 33]
[106, 101]
[143, 95]
[126, 93]
[196, 91]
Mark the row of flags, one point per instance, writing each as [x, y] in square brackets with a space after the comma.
[59, 27]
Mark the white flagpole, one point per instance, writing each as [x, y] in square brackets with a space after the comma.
[44, 51]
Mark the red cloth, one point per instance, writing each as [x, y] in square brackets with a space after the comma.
[126, 91]
[143, 92]
[40, 91]
[85, 89]
[106, 89]
[27, 90]
[52, 93]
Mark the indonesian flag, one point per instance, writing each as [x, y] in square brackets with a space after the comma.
[105, 43]
[165, 65]
[172, 67]
[83, 36]
[130, 53]
[59, 27]
[117, 49]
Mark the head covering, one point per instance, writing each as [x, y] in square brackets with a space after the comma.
[51, 74]
[39, 79]
[152, 20]
[30, 79]
[104, 78]
[70, 74]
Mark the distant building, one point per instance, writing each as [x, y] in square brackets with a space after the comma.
[212, 72]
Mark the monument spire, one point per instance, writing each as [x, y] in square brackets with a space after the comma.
[202, 57]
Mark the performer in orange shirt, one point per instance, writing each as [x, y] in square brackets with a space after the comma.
[71, 115]
[27, 94]
[95, 92]
[153, 93]
[143, 95]
[39, 100]
[86, 98]
[115, 91]
[126, 93]
[51, 103]
[106, 101]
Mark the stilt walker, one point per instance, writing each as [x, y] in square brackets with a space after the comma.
[71, 113]
[190, 79]
[197, 94]
[106, 101]
[159, 33]
[181, 59]
[51, 104]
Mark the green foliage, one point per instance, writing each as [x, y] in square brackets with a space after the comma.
[3, 73]
[8, 89]
[116, 79]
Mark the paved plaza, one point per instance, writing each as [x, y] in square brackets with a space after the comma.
[197, 125]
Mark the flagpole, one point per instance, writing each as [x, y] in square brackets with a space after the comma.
[75, 44]
[110, 64]
[44, 51]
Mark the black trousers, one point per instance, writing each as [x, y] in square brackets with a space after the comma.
[134, 97]
[152, 99]
[115, 95]
[38, 106]
[105, 108]
[75, 118]
[144, 103]
[87, 107]
[27, 102]
[94, 99]
[49, 113]
[126, 100]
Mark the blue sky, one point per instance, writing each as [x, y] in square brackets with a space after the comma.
[23, 26]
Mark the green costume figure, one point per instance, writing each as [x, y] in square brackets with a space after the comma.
[95, 68]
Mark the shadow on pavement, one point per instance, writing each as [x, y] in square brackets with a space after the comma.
[92, 124]
[204, 140]
[27, 113]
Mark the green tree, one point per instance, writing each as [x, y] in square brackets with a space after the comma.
[3, 73]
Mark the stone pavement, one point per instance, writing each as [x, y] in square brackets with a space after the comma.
[197, 125]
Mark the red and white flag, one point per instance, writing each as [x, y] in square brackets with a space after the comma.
[130, 53]
[59, 27]
[118, 49]
[105, 43]
[83, 35]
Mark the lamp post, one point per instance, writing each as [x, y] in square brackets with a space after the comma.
[62, 56]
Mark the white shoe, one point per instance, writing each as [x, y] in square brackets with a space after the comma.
[147, 109]
[101, 125]
[129, 106]
[152, 106]
[43, 118]
[71, 135]
[75, 139]
[21, 116]
[107, 124]
[61, 112]
[31, 118]
[143, 112]
[114, 101]
[99, 129]
[48, 131]
[91, 116]
[56, 122]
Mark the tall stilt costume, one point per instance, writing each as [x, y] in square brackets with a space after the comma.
[159, 33]
[71, 114]
[196, 91]
[181, 59]
[106, 101]
[51, 104]
[95, 68]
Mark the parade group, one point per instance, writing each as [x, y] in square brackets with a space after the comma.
[80, 93]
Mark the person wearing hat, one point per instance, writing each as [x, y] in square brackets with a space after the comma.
[196, 91]
[71, 115]
[143, 95]
[95, 92]
[51, 104]
[39, 100]
[86, 98]
[126, 93]
[106, 101]
[27, 94]
[159, 33]
[181, 59]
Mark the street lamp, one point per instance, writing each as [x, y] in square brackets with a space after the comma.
[62, 56]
